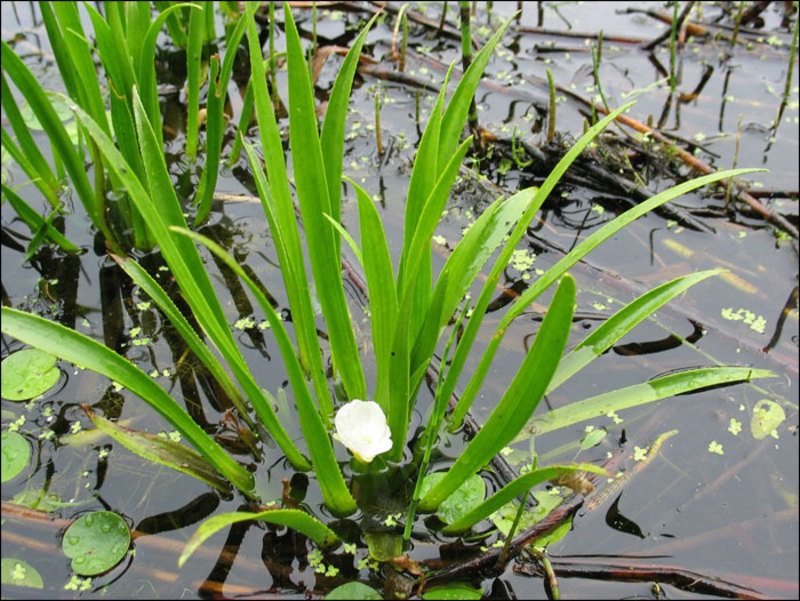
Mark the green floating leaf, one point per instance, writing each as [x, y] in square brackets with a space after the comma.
[455, 590]
[96, 542]
[355, 591]
[19, 573]
[465, 498]
[27, 374]
[16, 453]
[384, 546]
[767, 416]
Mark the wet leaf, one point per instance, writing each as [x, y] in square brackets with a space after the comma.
[456, 590]
[293, 518]
[96, 542]
[20, 573]
[384, 546]
[27, 374]
[767, 416]
[353, 590]
[162, 451]
[16, 453]
[593, 438]
[467, 496]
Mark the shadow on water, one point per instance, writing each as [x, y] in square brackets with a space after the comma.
[686, 517]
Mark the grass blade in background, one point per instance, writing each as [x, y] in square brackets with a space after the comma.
[146, 74]
[81, 350]
[194, 54]
[216, 121]
[520, 399]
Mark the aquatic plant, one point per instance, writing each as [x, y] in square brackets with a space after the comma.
[411, 310]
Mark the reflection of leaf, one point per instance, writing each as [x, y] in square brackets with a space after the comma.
[16, 453]
[619, 522]
[161, 450]
[767, 415]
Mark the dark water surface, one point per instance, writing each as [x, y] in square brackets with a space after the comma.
[731, 515]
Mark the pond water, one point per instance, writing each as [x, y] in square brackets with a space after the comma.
[729, 514]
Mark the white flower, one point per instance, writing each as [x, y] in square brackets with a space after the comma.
[361, 427]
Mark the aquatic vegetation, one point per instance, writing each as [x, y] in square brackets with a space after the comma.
[411, 307]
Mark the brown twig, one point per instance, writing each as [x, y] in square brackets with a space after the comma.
[486, 563]
[676, 576]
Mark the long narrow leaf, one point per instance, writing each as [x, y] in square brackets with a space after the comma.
[152, 288]
[81, 350]
[184, 261]
[333, 126]
[277, 200]
[46, 182]
[159, 450]
[622, 322]
[334, 489]
[62, 145]
[293, 518]
[580, 251]
[35, 222]
[314, 200]
[520, 399]
[516, 487]
[380, 286]
[640, 394]
[474, 323]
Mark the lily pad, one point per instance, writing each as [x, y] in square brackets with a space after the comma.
[27, 374]
[767, 416]
[465, 498]
[454, 590]
[353, 590]
[96, 542]
[16, 453]
[19, 573]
